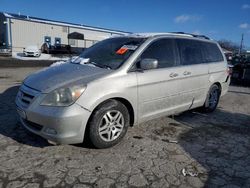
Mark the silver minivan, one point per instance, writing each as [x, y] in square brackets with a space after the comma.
[120, 82]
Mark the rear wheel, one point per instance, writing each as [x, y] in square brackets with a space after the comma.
[212, 99]
[108, 124]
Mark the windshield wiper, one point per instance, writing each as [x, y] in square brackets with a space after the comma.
[99, 65]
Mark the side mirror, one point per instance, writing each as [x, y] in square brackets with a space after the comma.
[147, 64]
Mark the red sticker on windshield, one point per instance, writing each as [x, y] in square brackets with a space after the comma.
[122, 51]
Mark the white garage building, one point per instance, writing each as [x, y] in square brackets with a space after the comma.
[19, 31]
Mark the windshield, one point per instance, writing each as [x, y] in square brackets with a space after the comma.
[110, 53]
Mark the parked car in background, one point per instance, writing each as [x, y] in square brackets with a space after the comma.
[120, 82]
[32, 51]
[57, 48]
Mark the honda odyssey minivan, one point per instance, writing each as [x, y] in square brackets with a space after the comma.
[120, 82]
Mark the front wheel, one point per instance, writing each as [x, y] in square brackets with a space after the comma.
[212, 99]
[108, 124]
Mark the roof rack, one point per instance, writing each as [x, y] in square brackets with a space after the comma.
[193, 35]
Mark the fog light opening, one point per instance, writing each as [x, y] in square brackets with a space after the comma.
[50, 131]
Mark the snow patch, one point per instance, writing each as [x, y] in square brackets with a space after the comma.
[58, 63]
[74, 59]
[81, 60]
[20, 55]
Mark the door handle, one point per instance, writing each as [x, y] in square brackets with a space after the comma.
[173, 75]
[186, 73]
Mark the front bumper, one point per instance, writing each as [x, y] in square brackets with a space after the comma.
[63, 125]
[32, 54]
[5, 52]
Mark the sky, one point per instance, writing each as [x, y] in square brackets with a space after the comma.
[218, 19]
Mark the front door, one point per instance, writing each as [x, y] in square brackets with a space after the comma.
[158, 89]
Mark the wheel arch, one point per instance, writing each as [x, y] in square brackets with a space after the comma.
[124, 101]
[129, 107]
[219, 85]
[127, 104]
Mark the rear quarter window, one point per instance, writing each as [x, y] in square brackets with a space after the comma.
[197, 52]
[211, 52]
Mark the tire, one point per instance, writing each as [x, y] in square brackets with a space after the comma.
[108, 124]
[42, 49]
[212, 99]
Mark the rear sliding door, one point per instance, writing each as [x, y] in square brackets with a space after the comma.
[193, 71]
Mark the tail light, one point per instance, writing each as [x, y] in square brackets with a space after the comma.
[229, 71]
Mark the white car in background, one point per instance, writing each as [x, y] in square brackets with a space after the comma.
[33, 51]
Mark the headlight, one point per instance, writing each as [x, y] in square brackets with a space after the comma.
[64, 96]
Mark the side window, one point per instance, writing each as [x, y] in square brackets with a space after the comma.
[190, 51]
[212, 53]
[163, 51]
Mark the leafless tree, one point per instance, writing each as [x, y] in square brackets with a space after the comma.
[229, 45]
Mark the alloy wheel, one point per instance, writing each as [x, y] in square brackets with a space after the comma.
[111, 125]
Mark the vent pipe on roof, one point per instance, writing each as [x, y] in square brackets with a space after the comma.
[19, 13]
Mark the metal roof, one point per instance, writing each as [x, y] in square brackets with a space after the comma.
[47, 21]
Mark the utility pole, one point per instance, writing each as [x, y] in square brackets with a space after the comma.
[241, 43]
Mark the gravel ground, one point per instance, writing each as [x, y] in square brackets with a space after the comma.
[211, 150]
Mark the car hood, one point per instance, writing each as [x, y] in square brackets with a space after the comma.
[55, 77]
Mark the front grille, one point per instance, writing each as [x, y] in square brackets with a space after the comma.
[26, 96]
[33, 125]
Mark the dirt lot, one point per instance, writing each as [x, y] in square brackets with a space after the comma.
[213, 149]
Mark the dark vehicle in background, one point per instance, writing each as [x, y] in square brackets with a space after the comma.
[57, 48]
[229, 56]
[6, 51]
[242, 60]
[241, 67]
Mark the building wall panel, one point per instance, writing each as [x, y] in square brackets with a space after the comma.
[25, 33]
[90, 36]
